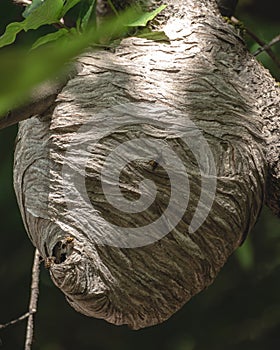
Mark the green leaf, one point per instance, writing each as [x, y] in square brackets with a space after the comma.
[22, 70]
[146, 17]
[86, 14]
[10, 34]
[113, 7]
[50, 37]
[30, 8]
[47, 13]
[68, 5]
[154, 35]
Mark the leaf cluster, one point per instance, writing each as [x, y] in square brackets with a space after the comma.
[22, 68]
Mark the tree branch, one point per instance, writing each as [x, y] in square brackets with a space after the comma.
[33, 300]
[267, 46]
[41, 99]
[10, 323]
[264, 46]
[27, 111]
[32, 304]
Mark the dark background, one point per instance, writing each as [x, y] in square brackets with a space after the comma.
[241, 310]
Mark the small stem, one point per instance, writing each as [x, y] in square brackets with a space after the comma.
[113, 8]
[260, 42]
[10, 323]
[33, 300]
[267, 46]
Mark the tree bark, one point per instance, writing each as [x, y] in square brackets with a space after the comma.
[200, 100]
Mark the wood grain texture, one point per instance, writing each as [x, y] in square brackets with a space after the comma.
[205, 75]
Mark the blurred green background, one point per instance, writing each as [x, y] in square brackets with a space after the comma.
[241, 310]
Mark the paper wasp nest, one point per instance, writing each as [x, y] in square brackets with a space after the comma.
[148, 172]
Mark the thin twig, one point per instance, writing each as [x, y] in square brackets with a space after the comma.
[267, 46]
[259, 41]
[10, 323]
[113, 8]
[33, 300]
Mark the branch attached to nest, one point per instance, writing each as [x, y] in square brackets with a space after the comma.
[41, 99]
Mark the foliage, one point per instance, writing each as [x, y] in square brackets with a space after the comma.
[24, 68]
[46, 12]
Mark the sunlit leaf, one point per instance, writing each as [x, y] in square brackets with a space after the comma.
[30, 8]
[146, 17]
[47, 13]
[10, 34]
[154, 35]
[22, 70]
